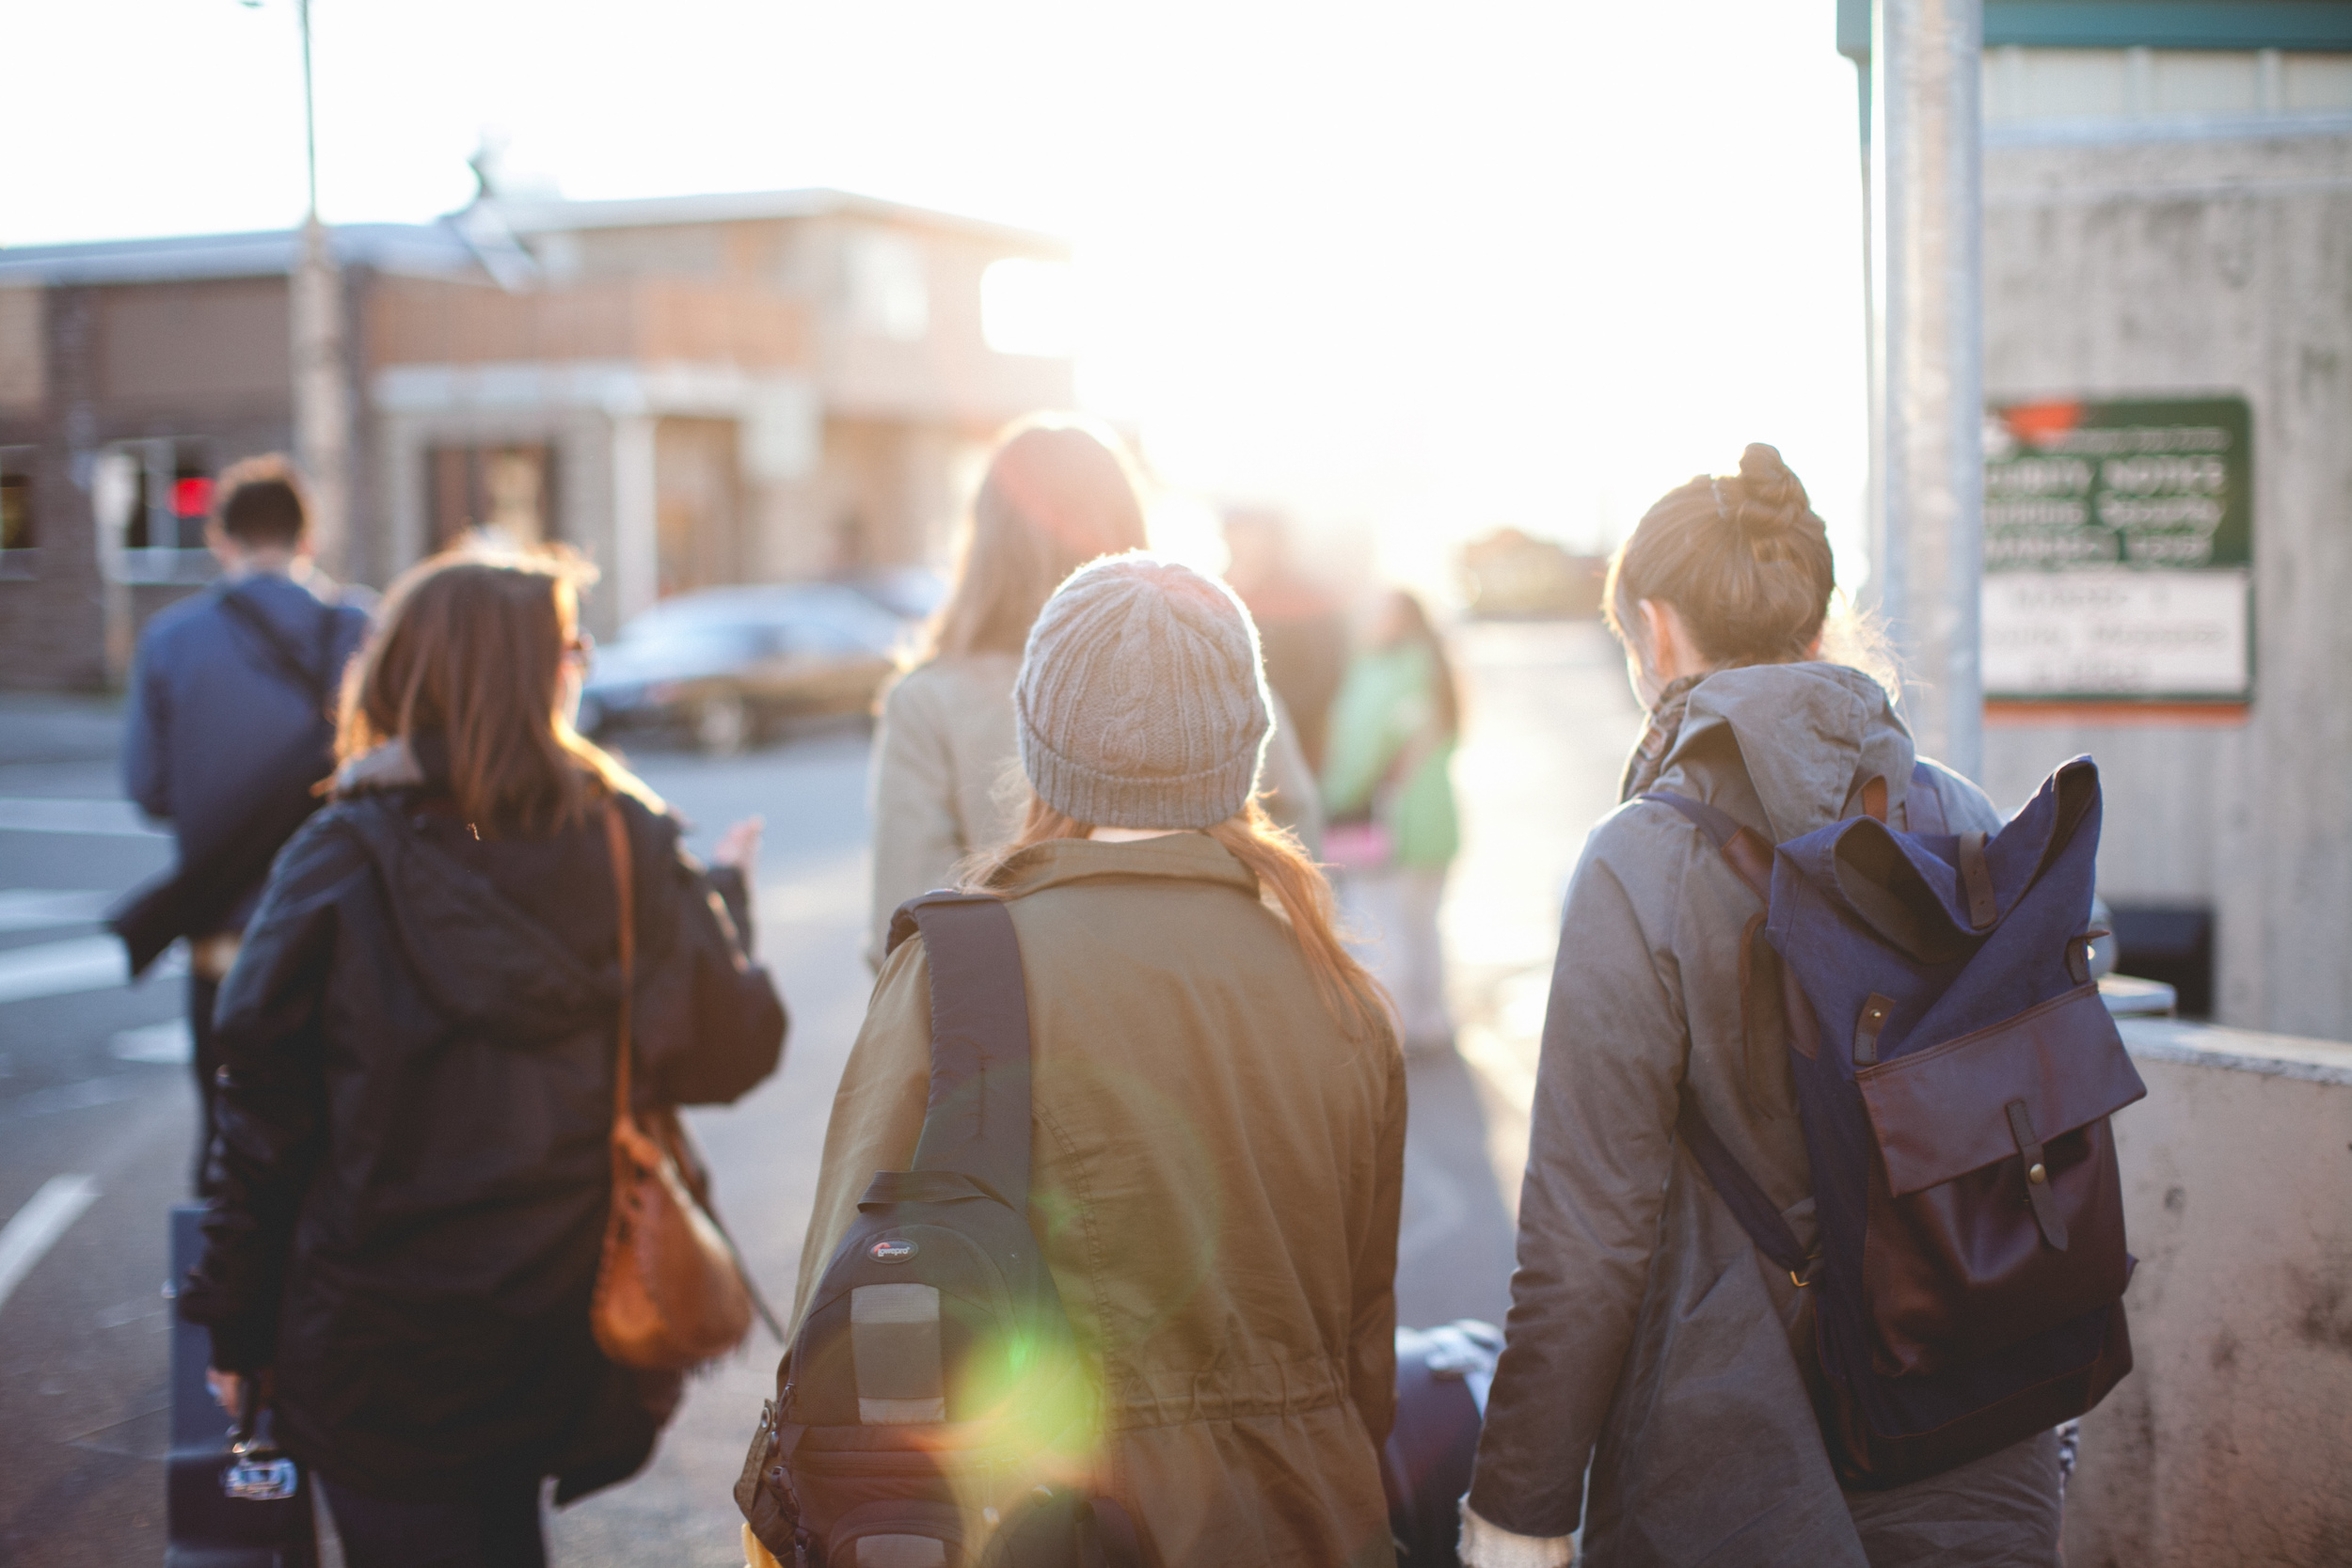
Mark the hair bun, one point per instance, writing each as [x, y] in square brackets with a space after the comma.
[1771, 499]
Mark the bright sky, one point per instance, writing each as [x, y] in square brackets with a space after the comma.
[1431, 268]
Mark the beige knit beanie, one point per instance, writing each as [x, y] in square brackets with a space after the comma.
[1140, 699]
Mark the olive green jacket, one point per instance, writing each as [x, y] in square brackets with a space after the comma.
[1216, 1171]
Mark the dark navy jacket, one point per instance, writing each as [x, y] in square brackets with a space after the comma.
[211, 707]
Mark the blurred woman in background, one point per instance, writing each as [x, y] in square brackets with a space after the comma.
[945, 782]
[413, 1170]
[1388, 789]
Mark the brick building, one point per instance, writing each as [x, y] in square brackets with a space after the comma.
[693, 391]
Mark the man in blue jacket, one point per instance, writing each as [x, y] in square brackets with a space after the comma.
[232, 690]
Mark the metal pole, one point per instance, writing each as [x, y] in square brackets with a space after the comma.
[322, 404]
[1927, 348]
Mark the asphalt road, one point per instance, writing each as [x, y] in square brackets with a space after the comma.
[96, 1107]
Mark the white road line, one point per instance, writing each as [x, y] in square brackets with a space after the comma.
[168, 1041]
[38, 1224]
[33, 908]
[25, 814]
[75, 964]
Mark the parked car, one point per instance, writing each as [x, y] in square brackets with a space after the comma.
[725, 666]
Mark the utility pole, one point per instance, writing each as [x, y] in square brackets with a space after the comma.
[1926, 349]
[321, 394]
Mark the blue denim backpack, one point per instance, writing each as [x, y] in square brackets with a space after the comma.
[1955, 1069]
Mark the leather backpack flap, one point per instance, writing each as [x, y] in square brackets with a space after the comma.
[1994, 1210]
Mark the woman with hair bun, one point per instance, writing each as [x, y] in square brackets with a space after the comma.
[1648, 1338]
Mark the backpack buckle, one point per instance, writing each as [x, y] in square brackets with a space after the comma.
[1811, 1272]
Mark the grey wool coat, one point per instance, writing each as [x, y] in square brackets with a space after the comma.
[1648, 1338]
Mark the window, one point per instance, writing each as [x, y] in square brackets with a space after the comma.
[888, 296]
[152, 498]
[1029, 307]
[18, 538]
[502, 494]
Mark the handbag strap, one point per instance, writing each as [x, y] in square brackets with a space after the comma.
[977, 1120]
[624, 889]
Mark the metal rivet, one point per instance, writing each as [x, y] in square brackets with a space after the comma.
[2037, 1174]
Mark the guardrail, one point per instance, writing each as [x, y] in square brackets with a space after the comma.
[2230, 1443]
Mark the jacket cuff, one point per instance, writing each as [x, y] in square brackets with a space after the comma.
[1486, 1544]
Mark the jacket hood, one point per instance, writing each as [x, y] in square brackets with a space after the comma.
[478, 958]
[1789, 747]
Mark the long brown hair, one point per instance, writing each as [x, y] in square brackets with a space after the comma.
[1288, 882]
[1059, 492]
[471, 648]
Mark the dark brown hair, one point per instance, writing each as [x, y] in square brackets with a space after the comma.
[471, 646]
[1059, 492]
[261, 502]
[1742, 557]
[1288, 879]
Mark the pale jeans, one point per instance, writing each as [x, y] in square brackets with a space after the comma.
[1393, 920]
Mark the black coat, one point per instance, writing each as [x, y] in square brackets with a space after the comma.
[413, 1166]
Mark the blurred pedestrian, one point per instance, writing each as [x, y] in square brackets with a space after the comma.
[1301, 624]
[230, 722]
[945, 782]
[1388, 788]
[1216, 1090]
[419, 1040]
[1649, 1341]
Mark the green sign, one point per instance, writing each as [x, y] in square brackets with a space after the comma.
[2118, 550]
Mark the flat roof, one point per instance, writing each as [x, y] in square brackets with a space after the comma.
[412, 250]
[555, 215]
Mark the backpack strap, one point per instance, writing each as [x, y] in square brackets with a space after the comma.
[315, 677]
[1741, 847]
[1923, 808]
[1757, 1214]
[977, 1121]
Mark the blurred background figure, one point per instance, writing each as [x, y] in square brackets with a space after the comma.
[1387, 775]
[230, 723]
[413, 1172]
[1059, 492]
[1302, 628]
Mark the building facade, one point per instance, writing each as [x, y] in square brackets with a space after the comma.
[2170, 228]
[691, 392]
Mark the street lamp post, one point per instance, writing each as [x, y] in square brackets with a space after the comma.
[321, 393]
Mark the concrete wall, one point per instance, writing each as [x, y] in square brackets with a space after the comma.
[2229, 1446]
[2143, 266]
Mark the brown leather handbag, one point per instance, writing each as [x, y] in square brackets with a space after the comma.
[670, 1293]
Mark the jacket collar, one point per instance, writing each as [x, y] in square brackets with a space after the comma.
[1193, 857]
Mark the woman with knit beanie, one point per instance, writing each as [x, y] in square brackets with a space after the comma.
[1217, 1096]
[1059, 492]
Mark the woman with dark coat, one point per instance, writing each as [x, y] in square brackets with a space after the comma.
[1656, 1383]
[413, 1169]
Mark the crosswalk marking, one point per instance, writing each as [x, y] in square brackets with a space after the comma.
[169, 1041]
[75, 964]
[36, 1226]
[25, 814]
[33, 908]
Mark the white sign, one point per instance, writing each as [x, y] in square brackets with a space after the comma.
[2116, 633]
